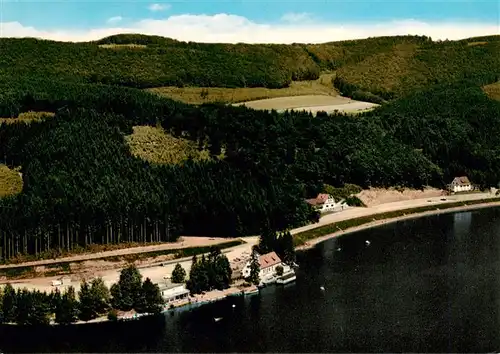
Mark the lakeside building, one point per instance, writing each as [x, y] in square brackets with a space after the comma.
[460, 184]
[325, 203]
[172, 292]
[267, 266]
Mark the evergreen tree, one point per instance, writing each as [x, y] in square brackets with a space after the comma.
[87, 307]
[151, 300]
[223, 271]
[101, 295]
[68, 307]
[116, 296]
[33, 308]
[254, 277]
[178, 274]
[9, 304]
[127, 294]
[55, 299]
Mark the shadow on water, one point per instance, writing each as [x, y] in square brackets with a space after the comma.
[422, 285]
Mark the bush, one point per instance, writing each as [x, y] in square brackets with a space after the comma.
[113, 315]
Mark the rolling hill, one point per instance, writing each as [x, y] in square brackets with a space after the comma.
[111, 162]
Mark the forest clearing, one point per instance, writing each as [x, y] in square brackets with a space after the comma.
[493, 90]
[10, 181]
[323, 86]
[311, 103]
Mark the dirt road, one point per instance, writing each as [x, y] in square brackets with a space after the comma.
[183, 242]
[356, 212]
[157, 274]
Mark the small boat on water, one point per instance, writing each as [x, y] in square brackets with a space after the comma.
[267, 281]
[217, 319]
[322, 288]
[252, 292]
[286, 278]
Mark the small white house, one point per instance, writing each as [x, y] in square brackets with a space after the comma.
[325, 202]
[267, 266]
[460, 184]
[172, 292]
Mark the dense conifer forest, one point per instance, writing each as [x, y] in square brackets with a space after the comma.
[82, 185]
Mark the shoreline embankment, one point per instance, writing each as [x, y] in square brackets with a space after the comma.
[380, 220]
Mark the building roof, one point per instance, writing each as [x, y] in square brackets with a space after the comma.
[169, 285]
[320, 199]
[268, 260]
[461, 181]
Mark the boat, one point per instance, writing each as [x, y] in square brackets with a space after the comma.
[252, 292]
[286, 278]
[267, 281]
[217, 319]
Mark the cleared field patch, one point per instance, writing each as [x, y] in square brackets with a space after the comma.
[28, 117]
[312, 103]
[493, 90]
[155, 145]
[199, 95]
[470, 44]
[122, 46]
[11, 181]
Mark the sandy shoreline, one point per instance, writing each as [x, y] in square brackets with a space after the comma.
[313, 242]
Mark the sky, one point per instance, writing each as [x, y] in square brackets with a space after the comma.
[249, 21]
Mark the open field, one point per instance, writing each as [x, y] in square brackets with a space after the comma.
[311, 103]
[10, 181]
[493, 90]
[28, 117]
[198, 95]
[155, 145]
[122, 46]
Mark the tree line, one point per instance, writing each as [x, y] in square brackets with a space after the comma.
[82, 185]
[159, 62]
[209, 273]
[93, 300]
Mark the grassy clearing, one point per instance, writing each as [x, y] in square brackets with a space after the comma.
[153, 144]
[301, 238]
[493, 90]
[122, 46]
[476, 43]
[199, 95]
[28, 117]
[54, 269]
[10, 181]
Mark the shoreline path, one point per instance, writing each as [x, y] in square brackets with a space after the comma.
[158, 273]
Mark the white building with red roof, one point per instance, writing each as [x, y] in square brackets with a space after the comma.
[267, 265]
[325, 202]
[460, 184]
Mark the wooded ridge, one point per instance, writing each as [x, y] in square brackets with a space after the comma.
[82, 185]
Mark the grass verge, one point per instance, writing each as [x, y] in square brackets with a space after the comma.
[61, 268]
[302, 237]
[199, 95]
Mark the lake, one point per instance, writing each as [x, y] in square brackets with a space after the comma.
[423, 285]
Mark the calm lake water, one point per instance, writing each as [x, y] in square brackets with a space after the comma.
[424, 285]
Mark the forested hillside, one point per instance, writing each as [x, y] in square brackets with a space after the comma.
[84, 181]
